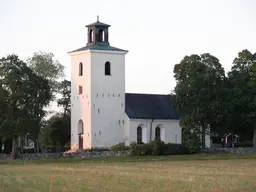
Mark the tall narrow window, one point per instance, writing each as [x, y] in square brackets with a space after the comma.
[80, 69]
[107, 68]
[158, 134]
[80, 90]
[91, 35]
[80, 127]
[101, 35]
[139, 135]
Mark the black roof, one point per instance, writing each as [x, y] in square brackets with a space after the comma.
[98, 24]
[149, 106]
[97, 47]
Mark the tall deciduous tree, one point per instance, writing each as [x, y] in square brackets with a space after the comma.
[44, 65]
[58, 127]
[24, 94]
[56, 131]
[64, 101]
[199, 92]
[242, 83]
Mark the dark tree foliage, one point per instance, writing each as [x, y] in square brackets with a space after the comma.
[23, 95]
[199, 93]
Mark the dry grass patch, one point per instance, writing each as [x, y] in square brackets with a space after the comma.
[140, 176]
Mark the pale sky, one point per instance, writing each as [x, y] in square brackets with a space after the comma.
[157, 34]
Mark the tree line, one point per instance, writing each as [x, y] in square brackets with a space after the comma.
[207, 98]
[26, 89]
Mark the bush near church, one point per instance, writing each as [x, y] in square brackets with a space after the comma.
[120, 147]
[159, 148]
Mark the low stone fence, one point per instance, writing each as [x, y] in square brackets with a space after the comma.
[237, 150]
[84, 154]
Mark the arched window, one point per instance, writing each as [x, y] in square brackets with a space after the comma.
[139, 134]
[158, 134]
[80, 127]
[91, 35]
[80, 69]
[101, 35]
[107, 68]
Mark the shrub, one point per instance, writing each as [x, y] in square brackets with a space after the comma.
[139, 149]
[120, 147]
[175, 149]
[191, 141]
[97, 149]
[158, 148]
[155, 148]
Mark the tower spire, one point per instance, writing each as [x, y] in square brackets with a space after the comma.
[97, 17]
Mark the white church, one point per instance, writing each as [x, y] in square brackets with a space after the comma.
[102, 113]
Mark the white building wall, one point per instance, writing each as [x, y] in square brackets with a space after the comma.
[126, 130]
[108, 98]
[207, 141]
[80, 104]
[170, 130]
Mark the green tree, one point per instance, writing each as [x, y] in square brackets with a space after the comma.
[242, 83]
[199, 93]
[44, 65]
[65, 101]
[56, 132]
[24, 94]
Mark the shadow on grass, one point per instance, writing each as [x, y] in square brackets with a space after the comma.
[131, 159]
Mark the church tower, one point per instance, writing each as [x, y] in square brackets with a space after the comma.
[97, 91]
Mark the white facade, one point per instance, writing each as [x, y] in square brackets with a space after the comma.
[108, 98]
[98, 117]
[80, 104]
[170, 131]
[101, 105]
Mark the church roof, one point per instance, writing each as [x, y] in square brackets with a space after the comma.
[149, 106]
[98, 47]
[98, 24]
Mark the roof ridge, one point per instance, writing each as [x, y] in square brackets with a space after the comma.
[161, 94]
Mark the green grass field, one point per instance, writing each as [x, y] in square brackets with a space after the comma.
[122, 174]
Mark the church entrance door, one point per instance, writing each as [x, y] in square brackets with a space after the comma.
[80, 141]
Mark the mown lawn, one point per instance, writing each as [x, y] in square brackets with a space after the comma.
[122, 174]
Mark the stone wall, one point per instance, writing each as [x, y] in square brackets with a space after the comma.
[84, 154]
[237, 150]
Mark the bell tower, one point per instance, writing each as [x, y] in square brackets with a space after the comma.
[97, 33]
[97, 91]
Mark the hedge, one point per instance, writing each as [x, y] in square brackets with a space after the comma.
[158, 148]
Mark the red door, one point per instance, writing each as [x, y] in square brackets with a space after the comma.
[80, 142]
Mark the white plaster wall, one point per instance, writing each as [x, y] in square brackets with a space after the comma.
[207, 141]
[170, 130]
[126, 129]
[80, 104]
[108, 98]
[133, 125]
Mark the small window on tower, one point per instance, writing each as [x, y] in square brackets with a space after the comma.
[91, 36]
[107, 68]
[80, 90]
[80, 69]
[101, 35]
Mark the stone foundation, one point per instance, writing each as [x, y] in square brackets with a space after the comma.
[237, 150]
[84, 154]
